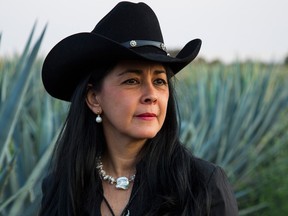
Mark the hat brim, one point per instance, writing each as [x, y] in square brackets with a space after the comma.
[72, 59]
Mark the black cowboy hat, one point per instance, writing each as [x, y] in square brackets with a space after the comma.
[128, 31]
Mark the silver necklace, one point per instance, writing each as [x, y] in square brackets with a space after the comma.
[121, 182]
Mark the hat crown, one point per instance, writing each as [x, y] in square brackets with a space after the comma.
[128, 31]
[130, 21]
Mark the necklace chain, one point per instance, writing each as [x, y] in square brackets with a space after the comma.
[121, 182]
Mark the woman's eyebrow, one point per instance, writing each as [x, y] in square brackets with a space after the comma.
[134, 71]
[138, 71]
[160, 71]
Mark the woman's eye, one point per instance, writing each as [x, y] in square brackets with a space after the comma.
[131, 81]
[160, 82]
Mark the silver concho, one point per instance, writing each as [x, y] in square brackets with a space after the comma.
[122, 183]
[163, 47]
[133, 43]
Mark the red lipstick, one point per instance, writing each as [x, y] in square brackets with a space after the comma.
[146, 116]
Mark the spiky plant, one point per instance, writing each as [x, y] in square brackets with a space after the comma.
[28, 127]
[234, 116]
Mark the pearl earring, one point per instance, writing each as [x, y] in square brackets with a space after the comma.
[98, 118]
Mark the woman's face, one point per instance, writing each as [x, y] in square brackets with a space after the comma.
[133, 99]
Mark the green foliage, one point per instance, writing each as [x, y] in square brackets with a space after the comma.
[233, 115]
[272, 187]
[28, 130]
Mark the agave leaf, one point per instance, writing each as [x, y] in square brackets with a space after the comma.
[35, 177]
[24, 55]
[4, 174]
[47, 126]
[231, 118]
[10, 109]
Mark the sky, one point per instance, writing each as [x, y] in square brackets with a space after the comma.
[229, 29]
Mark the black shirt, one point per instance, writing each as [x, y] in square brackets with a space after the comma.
[223, 201]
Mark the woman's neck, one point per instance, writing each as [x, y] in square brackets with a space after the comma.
[120, 159]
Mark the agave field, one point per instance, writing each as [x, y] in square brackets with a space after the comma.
[234, 115]
[237, 116]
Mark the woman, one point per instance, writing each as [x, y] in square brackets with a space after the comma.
[119, 151]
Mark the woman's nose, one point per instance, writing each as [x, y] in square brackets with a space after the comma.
[149, 95]
[150, 99]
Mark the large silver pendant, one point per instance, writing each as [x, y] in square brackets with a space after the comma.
[122, 183]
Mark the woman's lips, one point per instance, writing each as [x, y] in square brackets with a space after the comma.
[146, 116]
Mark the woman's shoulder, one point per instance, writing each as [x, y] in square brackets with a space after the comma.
[212, 174]
[207, 169]
[223, 200]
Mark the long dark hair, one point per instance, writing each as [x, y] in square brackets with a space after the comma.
[177, 184]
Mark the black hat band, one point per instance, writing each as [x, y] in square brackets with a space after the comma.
[141, 43]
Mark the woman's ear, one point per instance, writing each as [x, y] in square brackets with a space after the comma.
[92, 101]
